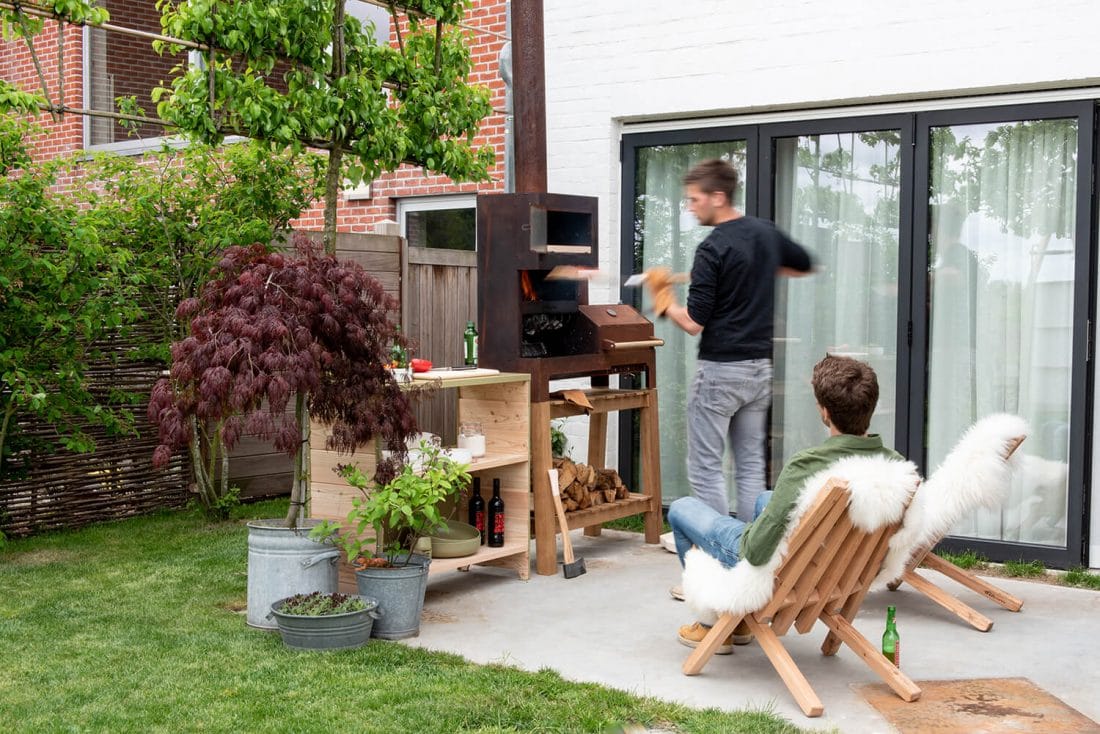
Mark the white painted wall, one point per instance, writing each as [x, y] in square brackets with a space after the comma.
[614, 64]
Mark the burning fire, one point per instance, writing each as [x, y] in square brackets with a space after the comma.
[528, 289]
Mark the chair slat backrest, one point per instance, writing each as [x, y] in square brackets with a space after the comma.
[805, 542]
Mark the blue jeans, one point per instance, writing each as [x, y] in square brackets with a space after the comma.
[695, 523]
[729, 402]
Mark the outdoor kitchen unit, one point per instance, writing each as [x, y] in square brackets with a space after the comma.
[532, 322]
[536, 319]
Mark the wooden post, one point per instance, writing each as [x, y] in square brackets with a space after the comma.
[546, 546]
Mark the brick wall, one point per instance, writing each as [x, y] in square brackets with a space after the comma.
[136, 69]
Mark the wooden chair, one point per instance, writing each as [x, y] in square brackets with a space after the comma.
[1002, 447]
[825, 574]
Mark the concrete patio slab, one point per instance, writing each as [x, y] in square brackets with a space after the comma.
[616, 625]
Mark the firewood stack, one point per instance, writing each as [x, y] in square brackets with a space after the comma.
[584, 486]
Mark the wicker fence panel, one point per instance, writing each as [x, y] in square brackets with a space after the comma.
[117, 480]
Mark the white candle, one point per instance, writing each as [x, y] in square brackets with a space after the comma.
[475, 443]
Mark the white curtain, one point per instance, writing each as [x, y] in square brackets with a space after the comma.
[838, 196]
[1001, 254]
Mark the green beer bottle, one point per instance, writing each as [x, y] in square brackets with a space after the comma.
[891, 643]
[470, 337]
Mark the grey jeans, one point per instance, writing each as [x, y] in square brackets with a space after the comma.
[729, 401]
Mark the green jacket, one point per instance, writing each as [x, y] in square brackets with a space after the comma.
[762, 536]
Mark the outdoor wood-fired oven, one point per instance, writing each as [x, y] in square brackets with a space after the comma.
[533, 322]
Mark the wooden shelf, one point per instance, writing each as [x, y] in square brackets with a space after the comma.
[633, 504]
[492, 461]
[501, 403]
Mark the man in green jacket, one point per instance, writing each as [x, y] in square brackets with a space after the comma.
[846, 391]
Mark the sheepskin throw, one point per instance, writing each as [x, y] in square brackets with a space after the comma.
[975, 474]
[879, 489]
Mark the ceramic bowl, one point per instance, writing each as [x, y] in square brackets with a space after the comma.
[455, 539]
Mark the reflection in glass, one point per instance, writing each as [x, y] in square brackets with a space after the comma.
[1001, 264]
[837, 195]
[666, 234]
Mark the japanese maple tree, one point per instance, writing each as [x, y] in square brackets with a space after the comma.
[268, 328]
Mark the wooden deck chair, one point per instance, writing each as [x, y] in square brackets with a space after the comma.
[822, 570]
[976, 473]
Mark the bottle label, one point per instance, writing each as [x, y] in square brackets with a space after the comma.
[479, 521]
[498, 523]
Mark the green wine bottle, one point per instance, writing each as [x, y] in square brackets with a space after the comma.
[891, 643]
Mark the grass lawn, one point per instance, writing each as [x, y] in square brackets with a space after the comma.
[130, 626]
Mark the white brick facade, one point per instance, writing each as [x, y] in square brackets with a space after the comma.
[616, 64]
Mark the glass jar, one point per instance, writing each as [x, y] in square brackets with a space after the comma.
[470, 436]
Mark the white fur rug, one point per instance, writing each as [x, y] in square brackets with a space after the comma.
[975, 474]
[879, 489]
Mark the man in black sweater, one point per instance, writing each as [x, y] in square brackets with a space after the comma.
[731, 302]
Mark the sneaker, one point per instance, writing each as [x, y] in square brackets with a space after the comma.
[668, 542]
[741, 634]
[676, 592]
[692, 634]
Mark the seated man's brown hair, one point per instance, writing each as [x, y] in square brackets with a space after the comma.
[848, 389]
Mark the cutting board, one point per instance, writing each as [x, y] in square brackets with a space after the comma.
[454, 374]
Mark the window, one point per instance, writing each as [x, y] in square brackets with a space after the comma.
[439, 222]
[120, 65]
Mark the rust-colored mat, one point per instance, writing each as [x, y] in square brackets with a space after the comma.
[978, 706]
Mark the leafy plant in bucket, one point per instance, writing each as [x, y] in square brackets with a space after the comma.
[316, 604]
[401, 511]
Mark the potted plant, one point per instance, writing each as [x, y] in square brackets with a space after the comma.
[332, 621]
[393, 516]
[267, 331]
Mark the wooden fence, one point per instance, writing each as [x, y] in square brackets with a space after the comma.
[440, 297]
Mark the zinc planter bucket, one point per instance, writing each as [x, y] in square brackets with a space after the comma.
[345, 631]
[283, 562]
[400, 595]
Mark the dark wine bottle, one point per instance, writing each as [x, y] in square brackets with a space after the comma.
[496, 517]
[477, 509]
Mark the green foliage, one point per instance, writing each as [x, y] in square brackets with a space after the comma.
[299, 74]
[145, 611]
[63, 290]
[968, 559]
[1082, 577]
[559, 442]
[1025, 569]
[316, 604]
[178, 210]
[404, 509]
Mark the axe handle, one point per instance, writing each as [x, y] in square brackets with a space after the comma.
[566, 544]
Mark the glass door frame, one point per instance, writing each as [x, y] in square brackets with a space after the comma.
[1075, 552]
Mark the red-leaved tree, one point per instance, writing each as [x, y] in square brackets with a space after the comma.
[269, 327]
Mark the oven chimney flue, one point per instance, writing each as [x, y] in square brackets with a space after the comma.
[529, 96]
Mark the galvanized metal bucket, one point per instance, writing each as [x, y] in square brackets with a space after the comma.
[400, 595]
[345, 631]
[282, 562]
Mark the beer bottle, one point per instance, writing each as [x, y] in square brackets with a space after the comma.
[891, 643]
[398, 356]
[495, 521]
[477, 509]
[470, 337]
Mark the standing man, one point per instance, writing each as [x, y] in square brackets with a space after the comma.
[731, 302]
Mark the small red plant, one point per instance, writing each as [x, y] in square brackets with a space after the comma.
[269, 327]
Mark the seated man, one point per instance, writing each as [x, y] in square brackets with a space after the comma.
[846, 391]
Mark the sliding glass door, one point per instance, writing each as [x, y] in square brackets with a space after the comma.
[1006, 283]
[953, 253]
[839, 193]
[665, 233]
